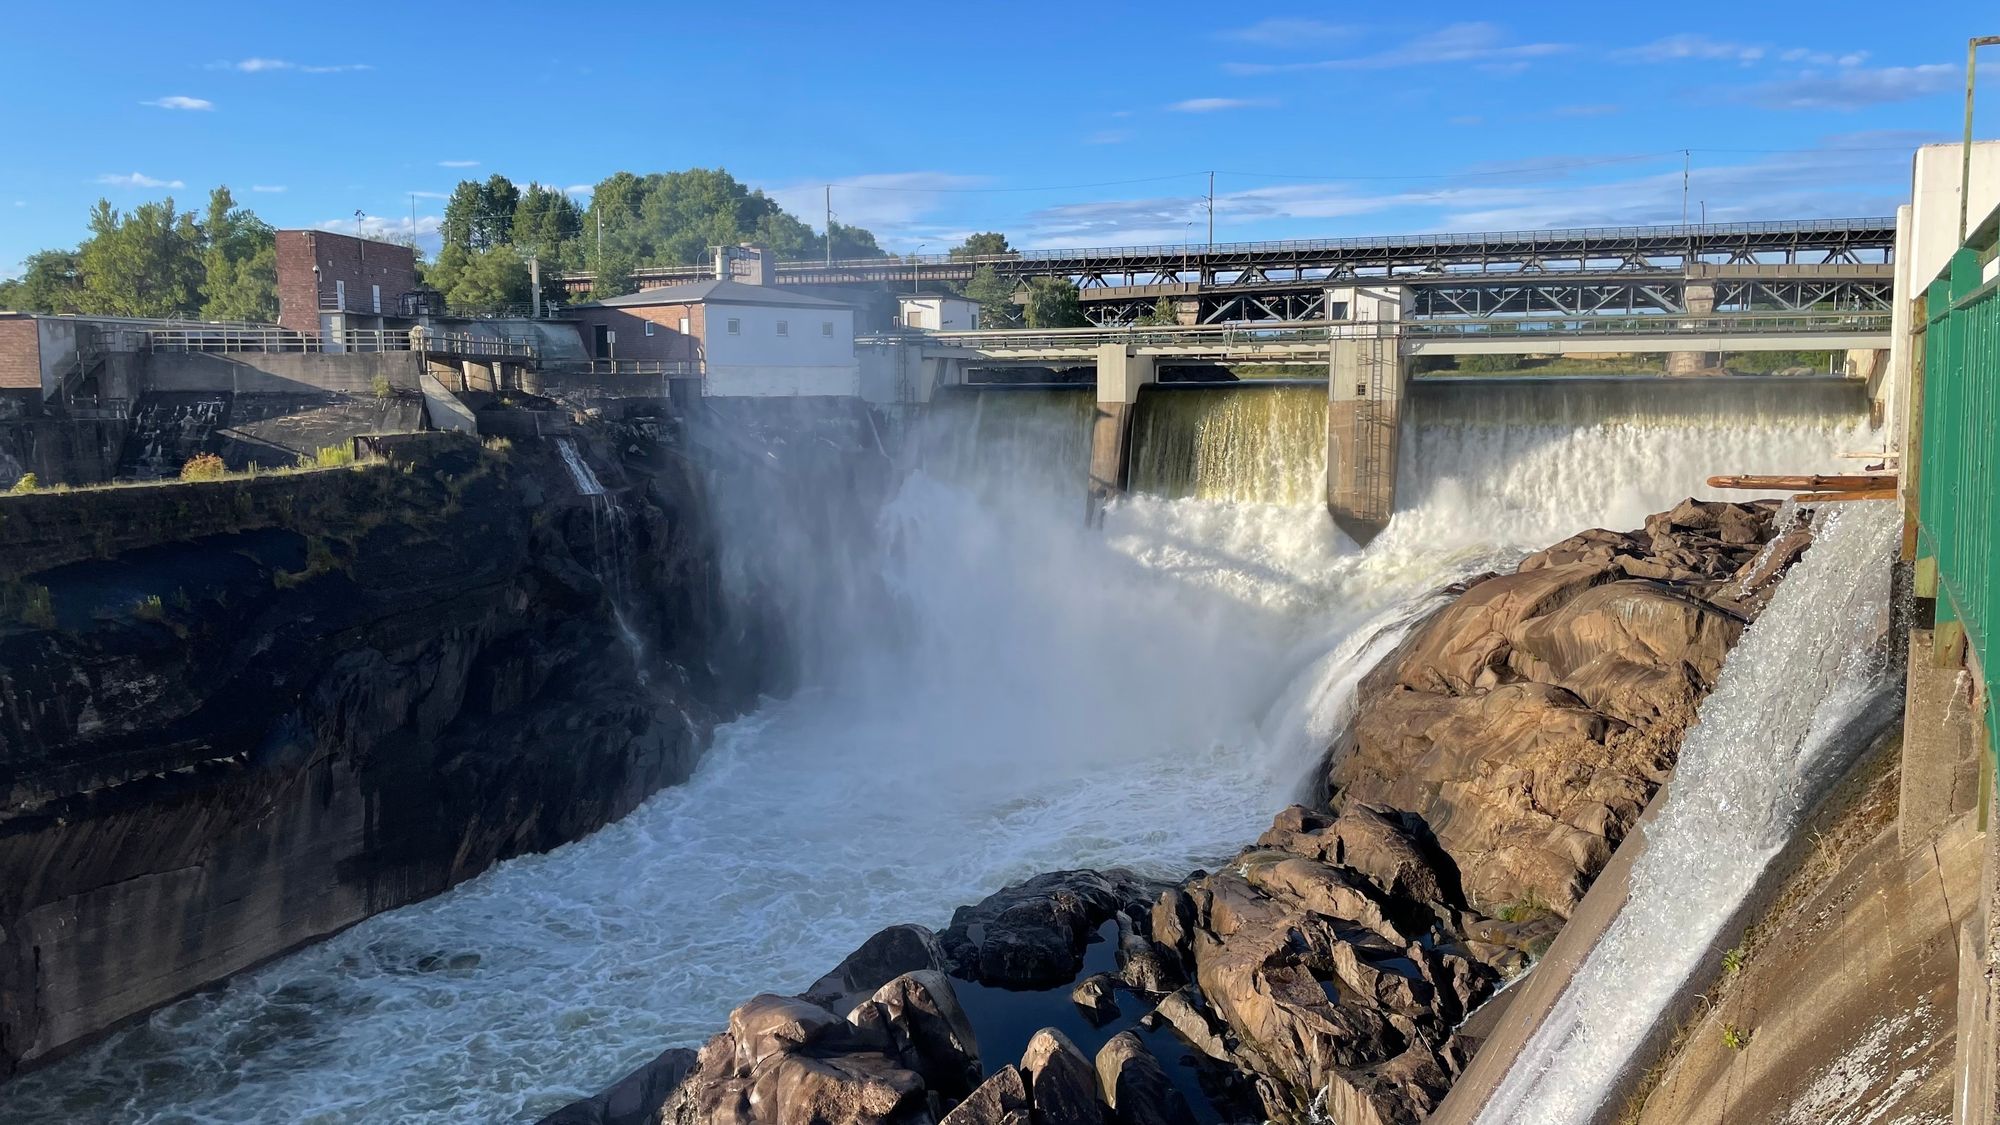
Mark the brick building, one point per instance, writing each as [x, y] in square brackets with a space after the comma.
[328, 282]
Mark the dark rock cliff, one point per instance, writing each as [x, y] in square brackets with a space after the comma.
[337, 693]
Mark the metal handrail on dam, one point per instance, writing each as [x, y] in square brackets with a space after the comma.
[1307, 339]
[1957, 463]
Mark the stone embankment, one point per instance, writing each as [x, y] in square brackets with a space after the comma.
[1496, 760]
[238, 717]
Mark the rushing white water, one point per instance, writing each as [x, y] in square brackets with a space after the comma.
[1043, 697]
[1769, 739]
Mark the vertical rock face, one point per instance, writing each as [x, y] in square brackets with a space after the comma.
[1528, 723]
[221, 748]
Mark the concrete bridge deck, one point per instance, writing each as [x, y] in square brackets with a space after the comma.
[1306, 342]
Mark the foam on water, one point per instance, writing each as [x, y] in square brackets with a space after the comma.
[1770, 738]
[1045, 697]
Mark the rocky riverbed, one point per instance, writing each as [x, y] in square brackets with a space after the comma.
[1495, 761]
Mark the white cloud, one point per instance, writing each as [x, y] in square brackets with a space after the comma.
[136, 180]
[1455, 43]
[180, 101]
[267, 189]
[1832, 180]
[1692, 47]
[431, 195]
[458, 163]
[1213, 105]
[264, 65]
[20, 203]
[1289, 32]
[580, 189]
[1823, 58]
[376, 226]
[1108, 137]
[1854, 87]
[891, 204]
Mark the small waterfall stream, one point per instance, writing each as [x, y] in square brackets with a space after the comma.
[607, 530]
[1771, 737]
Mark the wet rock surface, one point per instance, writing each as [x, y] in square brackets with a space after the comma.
[1495, 760]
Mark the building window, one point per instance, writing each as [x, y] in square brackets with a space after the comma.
[784, 329]
[826, 328]
[375, 298]
[735, 327]
[649, 328]
[684, 326]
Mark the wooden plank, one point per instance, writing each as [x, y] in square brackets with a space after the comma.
[1855, 494]
[1829, 483]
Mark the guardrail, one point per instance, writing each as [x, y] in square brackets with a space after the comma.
[612, 368]
[1212, 337]
[1958, 463]
[459, 345]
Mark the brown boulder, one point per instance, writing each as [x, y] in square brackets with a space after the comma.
[1131, 1081]
[1062, 1087]
[1000, 1100]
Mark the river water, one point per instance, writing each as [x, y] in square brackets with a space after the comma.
[1047, 697]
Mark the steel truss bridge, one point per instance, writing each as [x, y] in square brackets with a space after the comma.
[1777, 267]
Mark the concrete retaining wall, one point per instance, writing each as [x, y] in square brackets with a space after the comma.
[351, 373]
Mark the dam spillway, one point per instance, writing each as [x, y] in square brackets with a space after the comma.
[1050, 697]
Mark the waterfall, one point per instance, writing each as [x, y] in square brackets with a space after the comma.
[987, 690]
[1772, 735]
[607, 529]
[1257, 443]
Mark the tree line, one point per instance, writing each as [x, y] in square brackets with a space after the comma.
[158, 261]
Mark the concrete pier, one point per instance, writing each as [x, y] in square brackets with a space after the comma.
[1364, 408]
[1699, 298]
[1120, 375]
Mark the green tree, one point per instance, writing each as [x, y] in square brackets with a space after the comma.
[461, 214]
[1162, 313]
[982, 245]
[52, 282]
[239, 262]
[996, 298]
[1488, 364]
[853, 242]
[490, 280]
[146, 263]
[613, 276]
[1053, 303]
[493, 223]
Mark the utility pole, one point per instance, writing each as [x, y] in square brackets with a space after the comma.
[1687, 166]
[1965, 172]
[413, 220]
[829, 225]
[1211, 212]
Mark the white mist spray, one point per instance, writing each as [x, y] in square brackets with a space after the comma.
[987, 690]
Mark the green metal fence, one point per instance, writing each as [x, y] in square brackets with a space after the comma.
[1958, 481]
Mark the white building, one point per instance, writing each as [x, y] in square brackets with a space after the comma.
[933, 313]
[748, 340]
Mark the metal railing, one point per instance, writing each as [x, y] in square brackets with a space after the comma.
[1223, 337]
[1958, 461]
[461, 345]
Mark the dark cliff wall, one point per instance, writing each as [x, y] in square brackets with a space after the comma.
[238, 717]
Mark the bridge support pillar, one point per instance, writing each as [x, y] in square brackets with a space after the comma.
[1364, 409]
[1120, 375]
[1699, 297]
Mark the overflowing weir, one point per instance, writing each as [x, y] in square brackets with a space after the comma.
[1013, 693]
[1773, 734]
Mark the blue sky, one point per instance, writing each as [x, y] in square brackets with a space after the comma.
[1070, 124]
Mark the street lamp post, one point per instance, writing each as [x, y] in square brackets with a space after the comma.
[914, 266]
[1965, 171]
